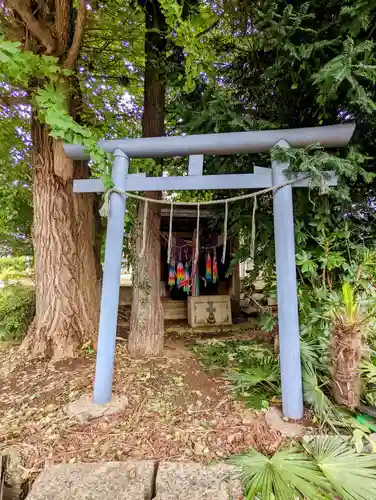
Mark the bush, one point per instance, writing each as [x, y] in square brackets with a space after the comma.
[17, 309]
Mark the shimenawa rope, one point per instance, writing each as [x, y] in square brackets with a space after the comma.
[105, 209]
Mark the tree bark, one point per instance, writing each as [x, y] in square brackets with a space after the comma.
[99, 231]
[66, 283]
[65, 278]
[147, 321]
[346, 360]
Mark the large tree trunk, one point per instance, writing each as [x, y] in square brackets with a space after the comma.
[147, 321]
[66, 285]
[65, 276]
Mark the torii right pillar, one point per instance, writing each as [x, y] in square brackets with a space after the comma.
[287, 296]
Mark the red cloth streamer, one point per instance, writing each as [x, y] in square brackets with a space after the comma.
[186, 278]
[179, 273]
[215, 269]
[171, 276]
[185, 284]
[208, 273]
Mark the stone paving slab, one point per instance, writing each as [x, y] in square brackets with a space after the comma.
[132, 480]
[137, 480]
[191, 481]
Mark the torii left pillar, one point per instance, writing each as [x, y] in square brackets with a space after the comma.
[111, 283]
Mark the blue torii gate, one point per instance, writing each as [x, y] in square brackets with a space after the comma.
[195, 147]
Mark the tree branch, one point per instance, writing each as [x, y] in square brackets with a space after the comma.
[78, 35]
[207, 30]
[41, 32]
[14, 99]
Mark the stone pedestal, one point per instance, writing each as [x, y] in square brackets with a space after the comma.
[209, 310]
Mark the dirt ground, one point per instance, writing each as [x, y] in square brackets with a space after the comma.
[176, 410]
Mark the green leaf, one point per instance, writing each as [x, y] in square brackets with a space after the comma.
[107, 181]
[352, 475]
[267, 322]
[288, 474]
[266, 370]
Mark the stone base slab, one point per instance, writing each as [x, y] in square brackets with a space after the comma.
[137, 480]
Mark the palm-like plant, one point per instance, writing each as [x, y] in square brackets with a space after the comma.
[315, 397]
[352, 475]
[258, 383]
[347, 349]
[327, 467]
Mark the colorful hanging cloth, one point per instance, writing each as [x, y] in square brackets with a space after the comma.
[186, 278]
[215, 268]
[179, 273]
[171, 273]
[208, 267]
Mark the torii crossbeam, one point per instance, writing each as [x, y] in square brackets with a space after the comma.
[195, 147]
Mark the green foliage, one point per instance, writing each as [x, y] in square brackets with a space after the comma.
[351, 475]
[21, 67]
[368, 375]
[349, 313]
[267, 321]
[322, 468]
[217, 354]
[249, 365]
[13, 268]
[257, 383]
[317, 399]
[355, 64]
[15, 192]
[288, 474]
[192, 34]
[302, 64]
[17, 308]
[254, 372]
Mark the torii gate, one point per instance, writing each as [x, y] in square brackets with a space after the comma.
[195, 147]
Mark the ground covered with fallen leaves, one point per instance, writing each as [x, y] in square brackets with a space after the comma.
[176, 411]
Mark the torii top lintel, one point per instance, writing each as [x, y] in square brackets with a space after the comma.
[329, 136]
